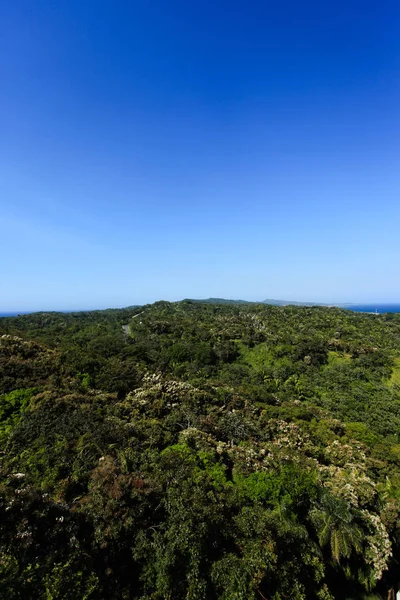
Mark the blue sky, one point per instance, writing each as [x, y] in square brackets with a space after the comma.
[163, 150]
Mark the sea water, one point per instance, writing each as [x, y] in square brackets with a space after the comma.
[371, 308]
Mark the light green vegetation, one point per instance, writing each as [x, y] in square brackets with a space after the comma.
[395, 376]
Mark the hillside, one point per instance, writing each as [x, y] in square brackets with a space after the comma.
[292, 303]
[269, 301]
[219, 301]
[200, 450]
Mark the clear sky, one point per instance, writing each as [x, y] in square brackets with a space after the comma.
[169, 149]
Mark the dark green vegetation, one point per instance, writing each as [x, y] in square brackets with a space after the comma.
[230, 452]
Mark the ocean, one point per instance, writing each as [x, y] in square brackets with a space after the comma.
[371, 308]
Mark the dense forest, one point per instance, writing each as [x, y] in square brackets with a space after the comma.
[200, 451]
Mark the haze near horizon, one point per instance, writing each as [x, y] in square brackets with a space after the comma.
[174, 150]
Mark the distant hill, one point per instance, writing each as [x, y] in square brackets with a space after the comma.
[222, 301]
[269, 301]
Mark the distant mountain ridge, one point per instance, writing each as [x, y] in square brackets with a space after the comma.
[268, 301]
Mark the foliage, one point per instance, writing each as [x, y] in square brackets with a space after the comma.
[200, 451]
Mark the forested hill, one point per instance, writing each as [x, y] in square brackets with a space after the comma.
[200, 451]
